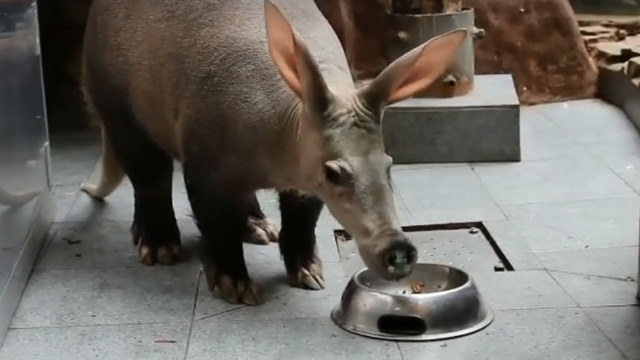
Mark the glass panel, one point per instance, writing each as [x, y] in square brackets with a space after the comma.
[23, 131]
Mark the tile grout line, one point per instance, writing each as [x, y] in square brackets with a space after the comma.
[193, 314]
[562, 287]
[97, 325]
[582, 248]
[73, 203]
[634, 195]
[624, 356]
[588, 275]
[400, 351]
[617, 175]
[221, 313]
[633, 304]
[495, 201]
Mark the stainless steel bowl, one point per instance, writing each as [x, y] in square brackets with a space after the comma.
[435, 302]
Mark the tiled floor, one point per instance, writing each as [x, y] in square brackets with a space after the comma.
[567, 218]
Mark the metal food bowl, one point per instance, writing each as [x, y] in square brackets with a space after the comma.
[435, 302]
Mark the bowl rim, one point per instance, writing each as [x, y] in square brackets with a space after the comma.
[469, 282]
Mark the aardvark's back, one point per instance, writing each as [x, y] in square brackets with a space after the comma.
[168, 55]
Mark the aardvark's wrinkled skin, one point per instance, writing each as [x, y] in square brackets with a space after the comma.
[245, 102]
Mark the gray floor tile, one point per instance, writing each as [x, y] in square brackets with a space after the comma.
[503, 290]
[73, 156]
[324, 228]
[521, 290]
[119, 205]
[614, 148]
[149, 342]
[327, 247]
[575, 225]
[590, 121]
[102, 245]
[211, 304]
[428, 195]
[620, 263]
[64, 198]
[267, 270]
[589, 290]
[566, 334]
[513, 241]
[626, 166]
[271, 207]
[599, 127]
[297, 339]
[107, 296]
[566, 179]
[541, 139]
[581, 150]
[622, 325]
[294, 303]
[460, 248]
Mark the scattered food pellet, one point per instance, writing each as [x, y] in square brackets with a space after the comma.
[73, 241]
[417, 287]
[473, 231]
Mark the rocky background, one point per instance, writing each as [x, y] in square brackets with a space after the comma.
[614, 44]
[538, 41]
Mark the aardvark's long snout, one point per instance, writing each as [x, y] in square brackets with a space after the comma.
[396, 255]
[399, 258]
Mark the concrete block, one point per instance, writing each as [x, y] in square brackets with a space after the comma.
[482, 126]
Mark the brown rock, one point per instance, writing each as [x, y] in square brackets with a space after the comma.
[360, 25]
[617, 67]
[423, 6]
[633, 40]
[594, 39]
[632, 68]
[538, 41]
[608, 52]
[452, 6]
[609, 36]
[632, 27]
[595, 29]
[620, 34]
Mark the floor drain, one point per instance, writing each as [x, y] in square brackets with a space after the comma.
[452, 243]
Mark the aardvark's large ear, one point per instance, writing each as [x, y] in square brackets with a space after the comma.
[293, 60]
[414, 71]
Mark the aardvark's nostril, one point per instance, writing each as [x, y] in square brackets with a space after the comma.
[392, 258]
[400, 257]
